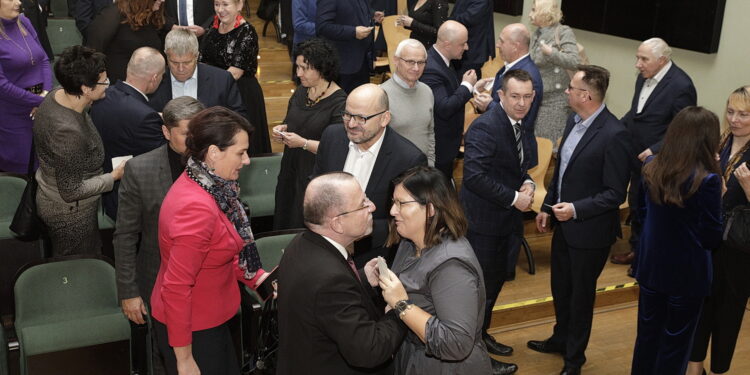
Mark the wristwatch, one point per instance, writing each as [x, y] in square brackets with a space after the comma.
[403, 306]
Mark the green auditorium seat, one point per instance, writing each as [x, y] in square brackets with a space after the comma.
[271, 246]
[67, 304]
[11, 189]
[258, 183]
[62, 33]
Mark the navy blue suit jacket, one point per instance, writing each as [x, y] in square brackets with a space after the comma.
[450, 101]
[127, 126]
[529, 121]
[84, 12]
[595, 181]
[674, 254]
[215, 87]
[492, 174]
[396, 155]
[673, 93]
[476, 15]
[336, 20]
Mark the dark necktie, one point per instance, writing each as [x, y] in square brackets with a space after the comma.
[353, 267]
[519, 143]
[182, 12]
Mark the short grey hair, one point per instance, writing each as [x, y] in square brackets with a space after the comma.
[144, 62]
[181, 42]
[413, 43]
[181, 108]
[658, 47]
[323, 195]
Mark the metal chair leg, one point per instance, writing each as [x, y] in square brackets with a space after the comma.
[529, 255]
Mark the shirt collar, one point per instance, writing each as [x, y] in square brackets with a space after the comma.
[194, 76]
[512, 121]
[587, 122]
[136, 89]
[338, 247]
[509, 66]
[659, 76]
[401, 82]
[445, 60]
[374, 149]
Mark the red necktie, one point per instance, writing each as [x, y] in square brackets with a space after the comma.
[353, 267]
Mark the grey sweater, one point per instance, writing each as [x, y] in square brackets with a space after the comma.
[411, 114]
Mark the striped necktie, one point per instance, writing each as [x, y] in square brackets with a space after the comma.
[519, 143]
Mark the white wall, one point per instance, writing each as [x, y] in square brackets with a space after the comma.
[714, 75]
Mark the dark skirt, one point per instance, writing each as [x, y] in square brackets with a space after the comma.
[255, 104]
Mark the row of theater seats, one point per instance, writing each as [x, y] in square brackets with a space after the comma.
[64, 309]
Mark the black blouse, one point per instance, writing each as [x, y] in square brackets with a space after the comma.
[735, 195]
[237, 48]
[427, 19]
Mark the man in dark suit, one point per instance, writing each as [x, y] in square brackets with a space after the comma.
[196, 21]
[126, 123]
[476, 15]
[496, 189]
[661, 90]
[368, 148]
[329, 322]
[451, 95]
[186, 77]
[583, 199]
[513, 43]
[84, 12]
[348, 24]
[144, 185]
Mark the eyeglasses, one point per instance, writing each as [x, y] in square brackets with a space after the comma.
[105, 83]
[576, 88]
[359, 119]
[365, 205]
[419, 63]
[398, 203]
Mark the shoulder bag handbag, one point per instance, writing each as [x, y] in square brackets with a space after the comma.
[26, 224]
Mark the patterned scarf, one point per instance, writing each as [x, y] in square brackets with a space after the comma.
[226, 194]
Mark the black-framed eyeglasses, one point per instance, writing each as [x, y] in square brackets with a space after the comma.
[105, 83]
[398, 203]
[576, 88]
[419, 63]
[365, 205]
[359, 119]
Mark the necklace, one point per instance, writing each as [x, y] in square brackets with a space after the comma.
[311, 102]
[21, 30]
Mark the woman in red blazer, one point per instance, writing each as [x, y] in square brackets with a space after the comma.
[206, 246]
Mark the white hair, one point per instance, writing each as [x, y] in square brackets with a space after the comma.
[413, 43]
[181, 42]
[658, 47]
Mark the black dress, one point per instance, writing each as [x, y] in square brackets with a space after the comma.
[426, 20]
[117, 40]
[297, 164]
[239, 48]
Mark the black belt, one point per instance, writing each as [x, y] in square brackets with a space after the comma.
[36, 89]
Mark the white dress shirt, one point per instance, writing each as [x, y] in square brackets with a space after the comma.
[650, 85]
[338, 247]
[360, 162]
[187, 88]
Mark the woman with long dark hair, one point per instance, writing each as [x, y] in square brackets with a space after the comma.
[680, 206]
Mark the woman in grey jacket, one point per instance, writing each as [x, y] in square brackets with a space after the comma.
[71, 154]
[553, 49]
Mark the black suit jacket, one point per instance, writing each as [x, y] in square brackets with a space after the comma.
[336, 20]
[476, 15]
[595, 181]
[673, 93]
[450, 101]
[492, 174]
[84, 12]
[215, 87]
[396, 155]
[128, 126]
[203, 12]
[329, 322]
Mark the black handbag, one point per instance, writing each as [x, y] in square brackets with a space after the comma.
[737, 229]
[26, 224]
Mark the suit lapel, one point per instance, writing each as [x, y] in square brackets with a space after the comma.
[203, 82]
[332, 250]
[659, 87]
[165, 173]
[638, 87]
[591, 132]
[381, 163]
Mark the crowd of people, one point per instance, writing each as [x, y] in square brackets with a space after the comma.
[396, 271]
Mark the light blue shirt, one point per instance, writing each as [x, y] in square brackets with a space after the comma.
[187, 88]
[566, 151]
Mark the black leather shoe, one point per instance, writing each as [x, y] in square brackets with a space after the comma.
[571, 371]
[502, 368]
[495, 347]
[544, 347]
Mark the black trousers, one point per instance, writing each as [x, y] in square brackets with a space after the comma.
[574, 272]
[723, 310]
[492, 254]
[635, 220]
[212, 349]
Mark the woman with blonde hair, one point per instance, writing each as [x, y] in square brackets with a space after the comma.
[554, 50]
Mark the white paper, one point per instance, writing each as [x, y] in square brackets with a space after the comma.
[116, 161]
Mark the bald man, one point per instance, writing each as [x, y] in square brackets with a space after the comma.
[375, 154]
[451, 93]
[126, 123]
